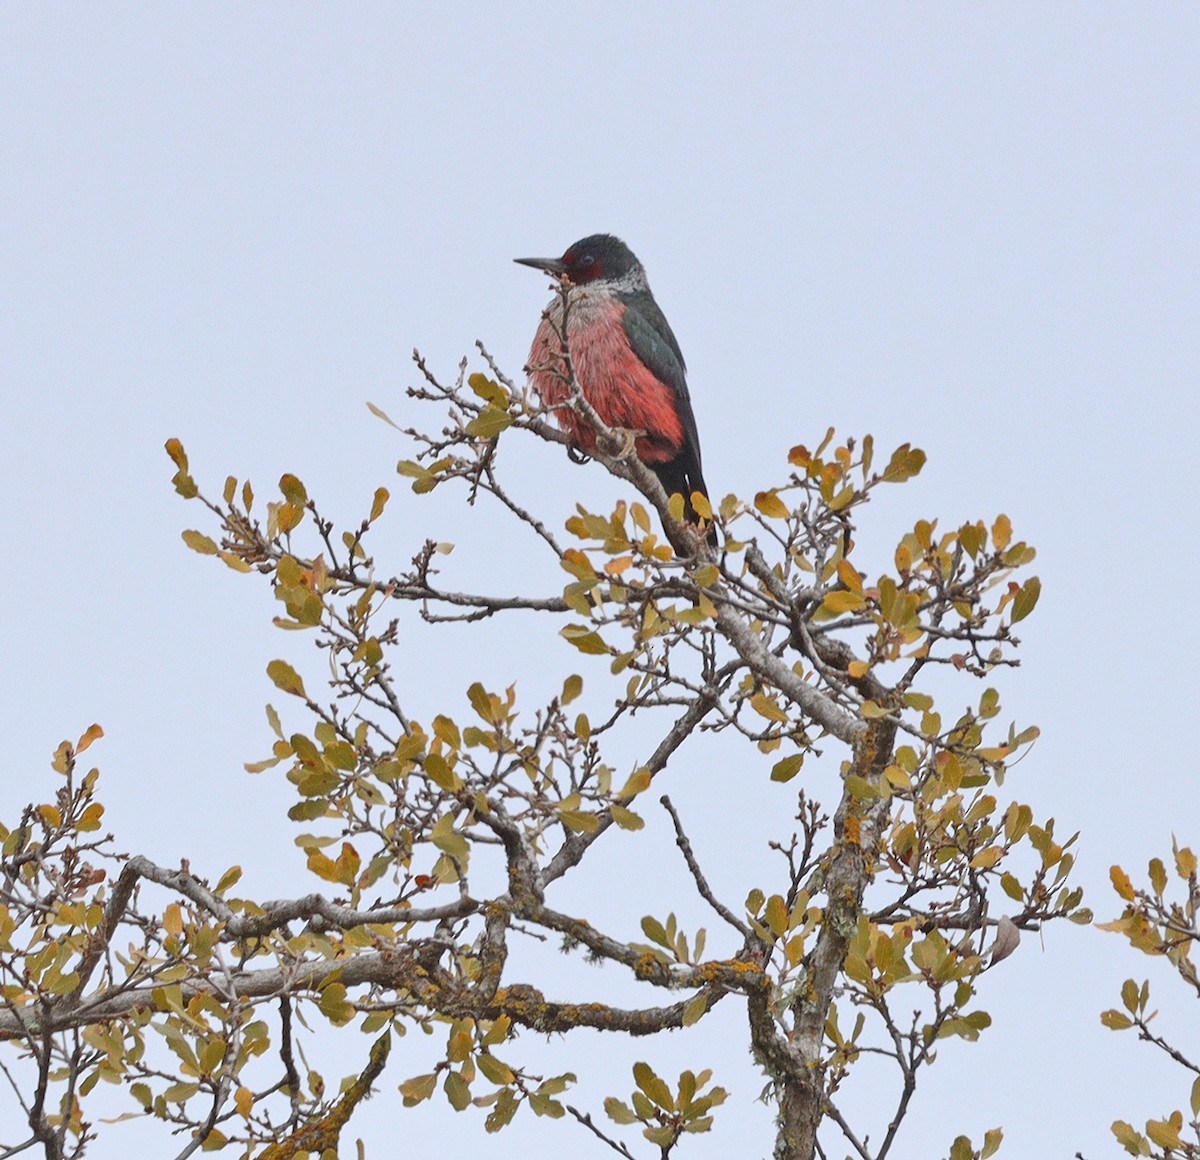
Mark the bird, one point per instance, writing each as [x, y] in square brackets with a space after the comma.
[626, 361]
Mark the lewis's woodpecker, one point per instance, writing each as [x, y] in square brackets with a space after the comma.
[626, 361]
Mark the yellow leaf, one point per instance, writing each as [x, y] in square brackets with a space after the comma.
[639, 782]
[199, 542]
[841, 600]
[1164, 1133]
[849, 576]
[178, 455]
[173, 919]
[285, 677]
[988, 858]
[771, 505]
[1121, 883]
[92, 733]
[765, 706]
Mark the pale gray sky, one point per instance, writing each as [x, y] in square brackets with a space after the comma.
[973, 227]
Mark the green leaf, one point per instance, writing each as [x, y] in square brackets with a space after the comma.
[654, 1087]
[447, 839]
[457, 1091]
[694, 1009]
[618, 1111]
[906, 462]
[787, 767]
[489, 423]
[1024, 601]
[293, 490]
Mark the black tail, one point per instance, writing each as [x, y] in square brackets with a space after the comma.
[682, 474]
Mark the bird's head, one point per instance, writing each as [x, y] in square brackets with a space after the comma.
[599, 258]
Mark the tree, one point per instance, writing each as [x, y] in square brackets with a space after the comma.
[903, 876]
[1161, 926]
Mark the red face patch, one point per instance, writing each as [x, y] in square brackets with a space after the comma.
[583, 265]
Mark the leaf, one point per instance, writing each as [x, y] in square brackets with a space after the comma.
[618, 1112]
[493, 1069]
[380, 414]
[199, 542]
[418, 1088]
[626, 818]
[446, 838]
[293, 490]
[906, 462]
[382, 495]
[988, 858]
[769, 503]
[92, 733]
[1164, 1133]
[585, 639]
[1023, 603]
[765, 706]
[653, 1086]
[571, 689]
[787, 768]
[286, 678]
[849, 576]
[1008, 938]
[489, 423]
[579, 821]
[1115, 1021]
[842, 600]
[1132, 1141]
[1121, 883]
[457, 1091]
[90, 818]
[176, 452]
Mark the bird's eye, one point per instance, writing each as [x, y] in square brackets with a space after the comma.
[587, 260]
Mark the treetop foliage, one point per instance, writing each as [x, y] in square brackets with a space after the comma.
[905, 871]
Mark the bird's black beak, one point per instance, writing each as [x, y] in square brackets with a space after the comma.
[554, 266]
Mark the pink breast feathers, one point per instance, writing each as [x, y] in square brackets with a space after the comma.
[621, 388]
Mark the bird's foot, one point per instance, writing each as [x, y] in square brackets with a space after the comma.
[625, 442]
